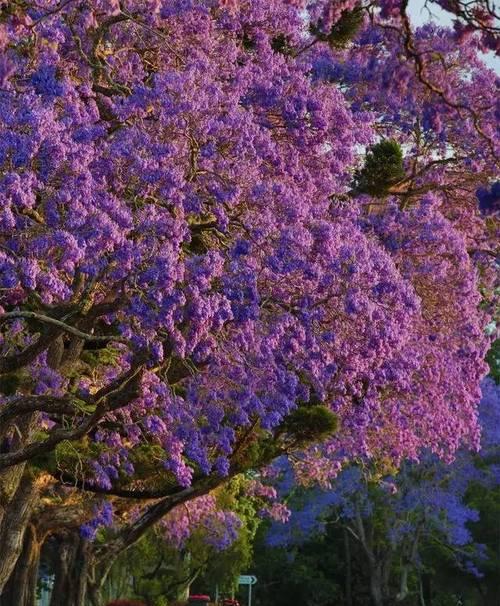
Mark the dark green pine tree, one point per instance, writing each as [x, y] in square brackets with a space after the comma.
[383, 168]
[341, 32]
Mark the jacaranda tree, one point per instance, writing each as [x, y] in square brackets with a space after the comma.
[198, 269]
[392, 524]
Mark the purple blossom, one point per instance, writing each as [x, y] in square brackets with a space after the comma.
[103, 518]
[192, 211]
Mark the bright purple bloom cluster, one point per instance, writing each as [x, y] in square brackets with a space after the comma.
[220, 528]
[102, 518]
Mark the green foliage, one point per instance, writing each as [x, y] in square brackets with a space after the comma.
[493, 359]
[486, 531]
[224, 567]
[125, 603]
[281, 44]
[9, 383]
[308, 575]
[158, 573]
[150, 571]
[227, 565]
[97, 358]
[316, 571]
[343, 31]
[260, 449]
[383, 168]
[67, 457]
[311, 424]
[248, 42]
[11, 8]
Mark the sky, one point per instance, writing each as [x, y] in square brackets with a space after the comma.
[420, 15]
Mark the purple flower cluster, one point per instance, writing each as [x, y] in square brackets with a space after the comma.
[103, 518]
[220, 528]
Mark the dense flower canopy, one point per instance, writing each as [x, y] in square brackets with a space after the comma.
[178, 262]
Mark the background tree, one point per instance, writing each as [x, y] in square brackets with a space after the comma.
[413, 537]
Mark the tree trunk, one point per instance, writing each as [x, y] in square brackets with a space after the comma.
[421, 596]
[97, 575]
[9, 483]
[72, 559]
[386, 572]
[427, 588]
[20, 589]
[375, 565]
[13, 437]
[14, 524]
[101, 561]
[376, 582]
[348, 569]
[403, 582]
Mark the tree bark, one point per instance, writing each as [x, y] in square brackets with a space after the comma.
[427, 588]
[421, 596]
[104, 556]
[21, 587]
[348, 568]
[376, 582]
[72, 560]
[375, 565]
[100, 559]
[14, 524]
[9, 483]
[13, 436]
[97, 574]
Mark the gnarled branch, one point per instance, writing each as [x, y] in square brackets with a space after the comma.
[32, 315]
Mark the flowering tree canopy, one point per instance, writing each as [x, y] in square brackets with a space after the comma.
[173, 267]
[200, 270]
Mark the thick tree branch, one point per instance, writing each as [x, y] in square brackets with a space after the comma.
[25, 357]
[26, 404]
[63, 326]
[120, 395]
[142, 494]
[153, 514]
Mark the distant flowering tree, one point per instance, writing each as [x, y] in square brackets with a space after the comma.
[392, 518]
[198, 273]
[200, 544]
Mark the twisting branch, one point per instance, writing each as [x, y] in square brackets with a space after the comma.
[131, 533]
[25, 357]
[19, 360]
[153, 514]
[120, 395]
[470, 12]
[152, 30]
[62, 325]
[26, 404]
[50, 13]
[144, 494]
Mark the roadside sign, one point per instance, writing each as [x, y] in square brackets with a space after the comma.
[247, 579]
